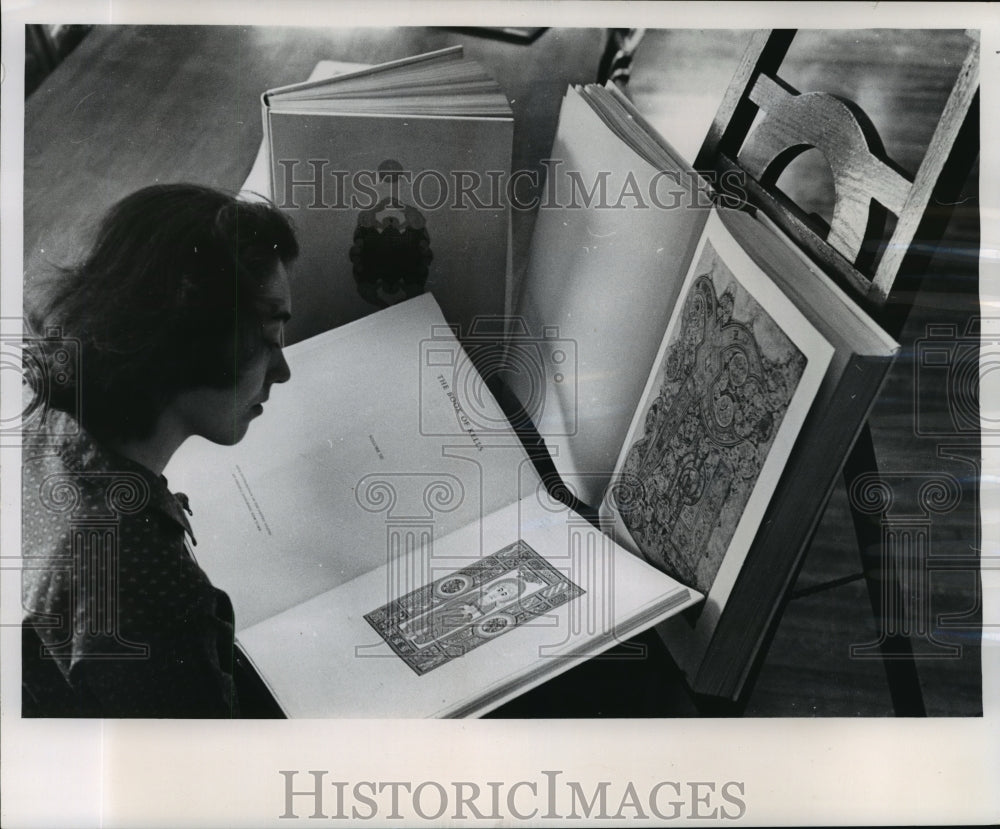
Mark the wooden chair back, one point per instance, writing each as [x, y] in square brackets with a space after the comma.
[763, 124]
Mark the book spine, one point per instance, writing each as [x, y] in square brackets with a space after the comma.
[779, 548]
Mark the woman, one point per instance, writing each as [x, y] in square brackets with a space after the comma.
[170, 327]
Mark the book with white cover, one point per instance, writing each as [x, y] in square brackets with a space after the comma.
[367, 496]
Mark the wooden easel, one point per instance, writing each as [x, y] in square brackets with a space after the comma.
[882, 274]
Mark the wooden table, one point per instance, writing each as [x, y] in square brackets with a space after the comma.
[133, 106]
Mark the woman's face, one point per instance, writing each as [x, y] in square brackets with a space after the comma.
[222, 415]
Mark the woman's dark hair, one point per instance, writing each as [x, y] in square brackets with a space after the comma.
[165, 301]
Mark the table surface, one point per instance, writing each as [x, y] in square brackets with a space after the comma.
[133, 106]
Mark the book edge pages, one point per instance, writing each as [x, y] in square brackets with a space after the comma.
[449, 52]
[329, 113]
[708, 678]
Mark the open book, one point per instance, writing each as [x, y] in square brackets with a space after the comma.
[391, 174]
[387, 544]
[717, 380]
[695, 379]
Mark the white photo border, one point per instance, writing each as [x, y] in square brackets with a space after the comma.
[215, 773]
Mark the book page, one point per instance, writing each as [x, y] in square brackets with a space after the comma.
[447, 631]
[384, 425]
[610, 248]
[733, 382]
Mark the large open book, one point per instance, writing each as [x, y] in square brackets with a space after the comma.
[387, 544]
[391, 175]
[391, 549]
[717, 380]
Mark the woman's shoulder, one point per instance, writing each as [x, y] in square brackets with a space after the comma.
[69, 476]
[92, 521]
[69, 480]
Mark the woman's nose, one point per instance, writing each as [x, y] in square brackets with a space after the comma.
[279, 371]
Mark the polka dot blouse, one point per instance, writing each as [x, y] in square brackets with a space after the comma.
[118, 618]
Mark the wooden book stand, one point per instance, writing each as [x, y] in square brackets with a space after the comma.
[762, 125]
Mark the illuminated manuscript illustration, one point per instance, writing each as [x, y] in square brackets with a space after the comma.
[461, 611]
[725, 382]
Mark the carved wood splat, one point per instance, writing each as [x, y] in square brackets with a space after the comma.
[797, 122]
